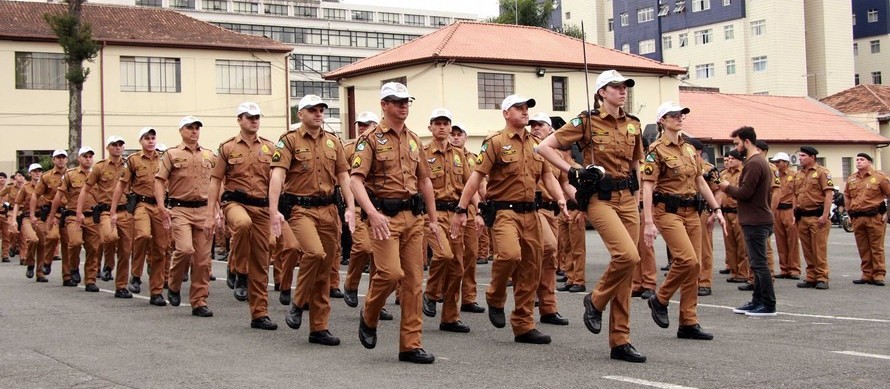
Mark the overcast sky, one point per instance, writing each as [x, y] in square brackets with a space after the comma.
[482, 8]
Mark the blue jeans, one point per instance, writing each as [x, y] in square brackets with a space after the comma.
[756, 238]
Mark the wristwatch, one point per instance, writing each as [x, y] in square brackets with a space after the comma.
[460, 210]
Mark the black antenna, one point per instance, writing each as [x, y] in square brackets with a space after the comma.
[586, 81]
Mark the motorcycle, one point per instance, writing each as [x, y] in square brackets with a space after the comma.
[839, 216]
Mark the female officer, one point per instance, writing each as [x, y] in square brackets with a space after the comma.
[613, 138]
[673, 187]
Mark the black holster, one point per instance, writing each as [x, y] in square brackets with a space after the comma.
[285, 204]
[132, 200]
[97, 211]
[64, 215]
[43, 213]
[340, 203]
[488, 213]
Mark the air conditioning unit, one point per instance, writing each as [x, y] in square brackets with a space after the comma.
[793, 158]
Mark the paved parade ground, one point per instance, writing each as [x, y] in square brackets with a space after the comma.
[52, 336]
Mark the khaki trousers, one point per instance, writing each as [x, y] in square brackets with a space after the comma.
[682, 234]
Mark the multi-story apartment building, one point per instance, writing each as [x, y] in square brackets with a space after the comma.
[871, 31]
[325, 34]
[572, 13]
[793, 48]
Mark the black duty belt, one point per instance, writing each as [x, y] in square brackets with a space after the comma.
[550, 206]
[729, 209]
[673, 203]
[446, 206]
[145, 199]
[186, 204]
[879, 210]
[799, 213]
[243, 198]
[308, 201]
[519, 207]
[121, 208]
[785, 206]
[572, 206]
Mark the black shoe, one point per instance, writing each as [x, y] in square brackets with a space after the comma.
[384, 315]
[324, 338]
[562, 278]
[457, 326]
[704, 291]
[555, 319]
[294, 317]
[41, 279]
[212, 277]
[693, 332]
[822, 285]
[276, 287]
[472, 307]
[417, 355]
[627, 352]
[737, 280]
[533, 337]
[560, 272]
[878, 283]
[481, 261]
[230, 279]
[564, 288]
[202, 311]
[793, 277]
[336, 293]
[91, 288]
[263, 323]
[861, 282]
[57, 258]
[577, 288]
[29, 272]
[723, 271]
[185, 277]
[429, 306]
[659, 312]
[666, 267]
[5, 260]
[806, 284]
[647, 293]
[122, 293]
[240, 291]
[69, 283]
[157, 300]
[344, 261]
[746, 286]
[174, 297]
[47, 269]
[509, 283]
[350, 297]
[284, 297]
[367, 335]
[106, 274]
[135, 285]
[75, 276]
[166, 285]
[593, 318]
[496, 317]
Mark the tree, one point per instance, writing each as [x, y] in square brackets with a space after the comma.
[572, 31]
[531, 12]
[76, 39]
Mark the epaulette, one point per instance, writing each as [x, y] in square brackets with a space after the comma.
[70, 170]
[427, 146]
[492, 135]
[264, 139]
[632, 116]
[226, 141]
[592, 112]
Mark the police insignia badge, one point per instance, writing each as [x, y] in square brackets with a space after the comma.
[265, 149]
[280, 144]
[276, 156]
[631, 129]
[577, 122]
[830, 183]
[874, 180]
[356, 162]
[360, 147]
[457, 161]
[479, 158]
[471, 162]
[412, 145]
[650, 157]
[330, 143]
[690, 150]
[647, 170]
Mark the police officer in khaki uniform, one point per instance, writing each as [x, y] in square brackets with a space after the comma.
[813, 191]
[449, 171]
[11, 233]
[775, 186]
[672, 184]
[514, 169]
[32, 243]
[184, 171]
[4, 213]
[787, 240]
[40, 204]
[612, 138]
[706, 273]
[645, 273]
[83, 229]
[866, 194]
[117, 237]
[734, 242]
[150, 239]
[242, 170]
[471, 232]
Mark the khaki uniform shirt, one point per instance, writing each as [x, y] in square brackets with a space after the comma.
[512, 165]
[810, 186]
[7, 194]
[140, 173]
[72, 182]
[615, 142]
[47, 187]
[786, 193]
[103, 178]
[244, 167]
[187, 172]
[777, 182]
[23, 198]
[706, 168]
[312, 162]
[389, 162]
[674, 167]
[867, 191]
[449, 170]
[732, 176]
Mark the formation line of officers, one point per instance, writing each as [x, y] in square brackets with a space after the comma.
[289, 203]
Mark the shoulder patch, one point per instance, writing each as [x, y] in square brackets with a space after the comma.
[356, 162]
[276, 156]
[647, 169]
[650, 157]
[577, 122]
[280, 144]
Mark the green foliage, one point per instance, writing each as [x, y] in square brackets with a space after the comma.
[530, 12]
[47, 162]
[76, 39]
[572, 31]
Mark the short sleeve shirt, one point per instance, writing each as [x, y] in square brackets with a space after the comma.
[71, 185]
[23, 198]
[810, 186]
[613, 143]
[312, 162]
[732, 176]
[512, 165]
[140, 173]
[389, 162]
[103, 177]
[867, 191]
[786, 191]
[187, 172]
[47, 186]
[244, 165]
[449, 170]
[674, 167]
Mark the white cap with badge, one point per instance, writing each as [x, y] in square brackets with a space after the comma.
[514, 100]
[440, 113]
[541, 117]
[395, 89]
[613, 77]
[249, 108]
[781, 157]
[459, 126]
[187, 120]
[367, 117]
[310, 101]
[85, 149]
[34, 166]
[146, 130]
[60, 152]
[113, 139]
[668, 107]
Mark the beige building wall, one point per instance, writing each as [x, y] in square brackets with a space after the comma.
[868, 62]
[829, 31]
[595, 15]
[454, 87]
[38, 119]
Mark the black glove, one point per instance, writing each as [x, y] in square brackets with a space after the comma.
[714, 175]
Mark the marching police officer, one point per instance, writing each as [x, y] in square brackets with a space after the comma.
[83, 229]
[40, 204]
[32, 243]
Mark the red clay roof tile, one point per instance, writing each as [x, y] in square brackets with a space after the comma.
[863, 98]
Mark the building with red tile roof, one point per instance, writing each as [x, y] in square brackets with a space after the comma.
[868, 104]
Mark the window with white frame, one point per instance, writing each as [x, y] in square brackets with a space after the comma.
[611, 24]
[727, 3]
[182, 4]
[40, 71]
[680, 7]
[759, 64]
[275, 9]
[362, 16]
[625, 20]
[323, 89]
[625, 47]
[492, 88]
[663, 10]
[758, 27]
[645, 15]
[388, 17]
[305, 12]
[876, 78]
[214, 5]
[243, 77]
[875, 46]
[703, 37]
[150, 74]
[667, 42]
[730, 67]
[729, 32]
[701, 5]
[704, 71]
[684, 39]
[439, 21]
[415, 20]
[647, 46]
[334, 14]
[872, 16]
[245, 7]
